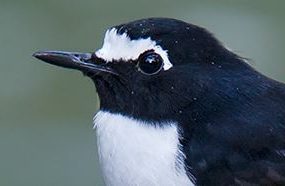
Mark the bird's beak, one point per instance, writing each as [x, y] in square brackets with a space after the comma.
[72, 60]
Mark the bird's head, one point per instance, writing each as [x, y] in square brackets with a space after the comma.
[151, 68]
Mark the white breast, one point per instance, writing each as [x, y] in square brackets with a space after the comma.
[135, 153]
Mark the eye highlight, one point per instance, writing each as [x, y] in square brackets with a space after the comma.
[150, 63]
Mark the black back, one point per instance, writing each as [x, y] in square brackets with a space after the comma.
[231, 118]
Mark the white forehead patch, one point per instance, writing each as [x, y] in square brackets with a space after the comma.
[121, 47]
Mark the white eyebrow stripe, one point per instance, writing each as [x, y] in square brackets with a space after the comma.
[121, 47]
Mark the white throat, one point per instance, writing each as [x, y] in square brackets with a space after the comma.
[135, 153]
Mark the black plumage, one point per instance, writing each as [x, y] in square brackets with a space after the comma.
[231, 117]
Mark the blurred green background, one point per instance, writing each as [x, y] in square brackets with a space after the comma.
[46, 136]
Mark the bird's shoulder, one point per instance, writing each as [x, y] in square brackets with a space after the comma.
[242, 143]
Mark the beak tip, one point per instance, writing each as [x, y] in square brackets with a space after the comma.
[37, 55]
[42, 55]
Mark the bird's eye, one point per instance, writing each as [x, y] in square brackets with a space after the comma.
[150, 63]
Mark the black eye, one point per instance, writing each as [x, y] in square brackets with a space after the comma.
[150, 63]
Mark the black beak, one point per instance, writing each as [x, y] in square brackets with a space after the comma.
[73, 60]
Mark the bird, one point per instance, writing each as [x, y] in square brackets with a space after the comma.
[178, 108]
